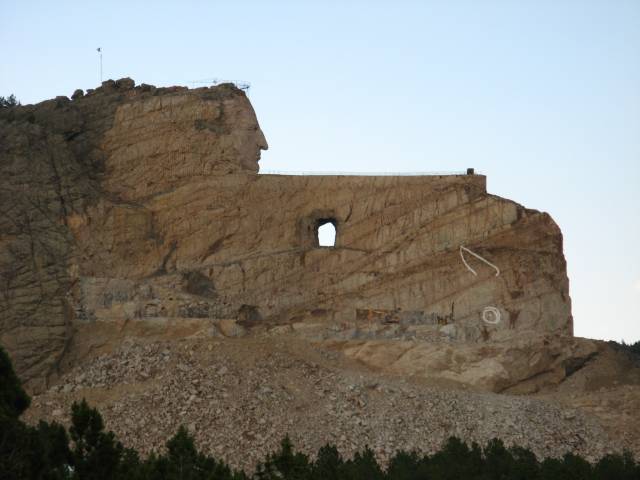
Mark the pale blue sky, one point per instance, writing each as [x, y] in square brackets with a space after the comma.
[541, 96]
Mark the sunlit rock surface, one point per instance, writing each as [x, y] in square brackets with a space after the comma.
[142, 203]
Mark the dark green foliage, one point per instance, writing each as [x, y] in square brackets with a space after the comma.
[576, 468]
[285, 464]
[47, 452]
[53, 446]
[43, 453]
[617, 467]
[40, 452]
[363, 467]
[455, 460]
[632, 348]
[498, 460]
[406, 466]
[183, 462]
[96, 454]
[13, 399]
[328, 464]
[524, 465]
[10, 101]
[27, 452]
[182, 459]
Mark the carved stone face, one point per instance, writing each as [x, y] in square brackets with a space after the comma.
[245, 136]
[160, 141]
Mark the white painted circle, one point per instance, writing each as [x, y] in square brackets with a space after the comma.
[491, 315]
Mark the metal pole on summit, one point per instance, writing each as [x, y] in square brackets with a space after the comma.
[99, 50]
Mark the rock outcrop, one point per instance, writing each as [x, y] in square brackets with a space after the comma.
[133, 203]
[146, 265]
[520, 366]
[65, 164]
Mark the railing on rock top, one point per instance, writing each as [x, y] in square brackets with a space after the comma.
[372, 174]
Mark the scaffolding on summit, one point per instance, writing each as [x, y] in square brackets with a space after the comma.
[241, 84]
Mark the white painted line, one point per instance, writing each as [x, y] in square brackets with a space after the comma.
[479, 258]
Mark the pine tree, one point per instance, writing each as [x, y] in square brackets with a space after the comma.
[13, 399]
[285, 464]
[328, 464]
[498, 460]
[8, 102]
[183, 462]
[40, 452]
[363, 467]
[96, 454]
[405, 466]
[525, 464]
[617, 467]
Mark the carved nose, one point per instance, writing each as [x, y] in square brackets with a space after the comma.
[262, 141]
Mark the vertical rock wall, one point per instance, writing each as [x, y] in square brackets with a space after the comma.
[133, 203]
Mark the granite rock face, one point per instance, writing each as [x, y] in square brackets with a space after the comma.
[517, 366]
[66, 164]
[144, 204]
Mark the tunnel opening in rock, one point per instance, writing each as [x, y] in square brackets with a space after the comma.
[326, 232]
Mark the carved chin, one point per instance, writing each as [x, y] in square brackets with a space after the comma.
[252, 165]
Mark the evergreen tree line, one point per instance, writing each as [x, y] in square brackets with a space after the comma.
[632, 348]
[85, 451]
[8, 102]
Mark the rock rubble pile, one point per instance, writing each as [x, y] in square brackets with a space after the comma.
[240, 397]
